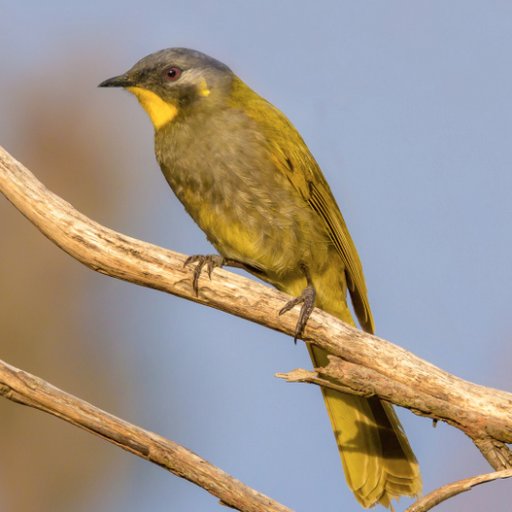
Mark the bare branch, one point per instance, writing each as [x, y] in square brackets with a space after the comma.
[364, 364]
[481, 412]
[26, 389]
[358, 380]
[432, 499]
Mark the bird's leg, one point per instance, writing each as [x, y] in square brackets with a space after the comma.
[307, 299]
[210, 261]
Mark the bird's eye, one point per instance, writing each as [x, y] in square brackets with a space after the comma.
[172, 74]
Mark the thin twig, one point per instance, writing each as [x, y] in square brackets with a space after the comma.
[432, 499]
[312, 377]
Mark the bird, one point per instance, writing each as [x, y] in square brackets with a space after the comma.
[245, 175]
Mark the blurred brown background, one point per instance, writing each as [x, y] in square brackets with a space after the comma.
[49, 323]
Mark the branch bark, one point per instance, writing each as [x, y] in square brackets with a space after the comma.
[458, 412]
[26, 389]
[361, 363]
[432, 499]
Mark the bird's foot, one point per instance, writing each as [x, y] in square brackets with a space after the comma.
[210, 261]
[307, 299]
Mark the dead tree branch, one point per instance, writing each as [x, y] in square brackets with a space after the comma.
[26, 389]
[361, 363]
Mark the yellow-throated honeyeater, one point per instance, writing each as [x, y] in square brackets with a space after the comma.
[247, 178]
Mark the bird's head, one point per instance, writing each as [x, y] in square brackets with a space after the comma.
[171, 80]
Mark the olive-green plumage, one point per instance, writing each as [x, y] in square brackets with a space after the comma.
[247, 178]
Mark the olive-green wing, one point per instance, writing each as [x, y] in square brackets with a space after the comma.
[307, 177]
[293, 158]
[322, 200]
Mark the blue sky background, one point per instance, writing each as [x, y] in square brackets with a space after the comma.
[406, 106]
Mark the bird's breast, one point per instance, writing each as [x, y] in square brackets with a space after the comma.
[227, 182]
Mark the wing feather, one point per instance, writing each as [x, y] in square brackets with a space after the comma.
[292, 157]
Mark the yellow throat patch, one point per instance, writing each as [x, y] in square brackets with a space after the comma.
[159, 111]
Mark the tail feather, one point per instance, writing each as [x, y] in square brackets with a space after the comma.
[378, 461]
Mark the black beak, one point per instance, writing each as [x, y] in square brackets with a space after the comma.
[118, 81]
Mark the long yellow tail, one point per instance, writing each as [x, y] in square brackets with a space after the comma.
[378, 461]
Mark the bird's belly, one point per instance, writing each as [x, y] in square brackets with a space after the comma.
[244, 232]
[256, 227]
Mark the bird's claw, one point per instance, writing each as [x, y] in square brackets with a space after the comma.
[210, 261]
[307, 299]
